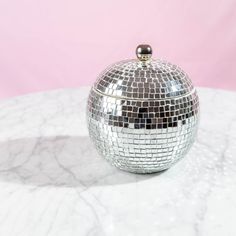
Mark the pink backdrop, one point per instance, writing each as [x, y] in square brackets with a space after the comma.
[48, 44]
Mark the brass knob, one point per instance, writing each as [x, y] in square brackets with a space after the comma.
[144, 52]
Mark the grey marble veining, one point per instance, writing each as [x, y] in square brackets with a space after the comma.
[53, 183]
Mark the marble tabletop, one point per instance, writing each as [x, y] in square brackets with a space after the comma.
[52, 181]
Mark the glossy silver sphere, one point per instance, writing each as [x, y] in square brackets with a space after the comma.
[144, 52]
[142, 114]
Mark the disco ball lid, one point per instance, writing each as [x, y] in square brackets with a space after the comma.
[143, 78]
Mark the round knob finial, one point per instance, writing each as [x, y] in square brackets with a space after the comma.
[144, 52]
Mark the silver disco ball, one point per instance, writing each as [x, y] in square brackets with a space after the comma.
[143, 113]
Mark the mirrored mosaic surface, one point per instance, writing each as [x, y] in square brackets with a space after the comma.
[150, 80]
[142, 117]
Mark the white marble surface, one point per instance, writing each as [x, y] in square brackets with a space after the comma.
[52, 182]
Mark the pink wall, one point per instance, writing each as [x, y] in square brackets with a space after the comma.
[48, 44]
